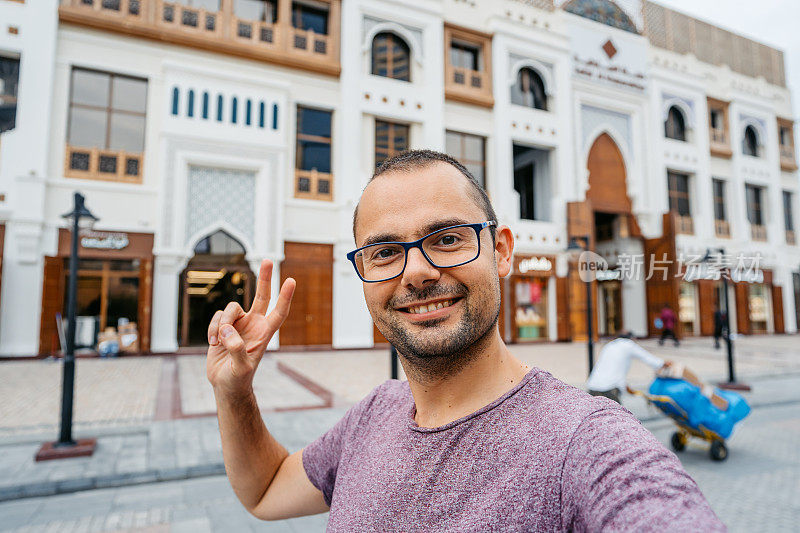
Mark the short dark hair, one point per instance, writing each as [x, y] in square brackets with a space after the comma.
[411, 160]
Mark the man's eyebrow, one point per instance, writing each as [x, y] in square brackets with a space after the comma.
[430, 228]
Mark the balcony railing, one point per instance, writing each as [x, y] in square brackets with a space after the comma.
[313, 185]
[758, 232]
[220, 31]
[722, 229]
[788, 161]
[107, 165]
[719, 137]
[719, 145]
[790, 237]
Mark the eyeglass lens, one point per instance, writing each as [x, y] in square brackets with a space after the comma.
[446, 248]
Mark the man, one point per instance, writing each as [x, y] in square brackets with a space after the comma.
[475, 440]
[668, 320]
[609, 375]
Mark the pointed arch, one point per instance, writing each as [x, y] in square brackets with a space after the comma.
[607, 190]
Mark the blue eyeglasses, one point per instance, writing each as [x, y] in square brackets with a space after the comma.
[445, 248]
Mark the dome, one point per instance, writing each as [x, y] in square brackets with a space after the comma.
[602, 11]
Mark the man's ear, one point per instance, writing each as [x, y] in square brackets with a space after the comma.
[503, 250]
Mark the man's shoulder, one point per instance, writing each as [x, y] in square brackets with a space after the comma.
[562, 404]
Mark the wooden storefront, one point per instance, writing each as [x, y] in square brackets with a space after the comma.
[529, 295]
[310, 322]
[759, 305]
[115, 280]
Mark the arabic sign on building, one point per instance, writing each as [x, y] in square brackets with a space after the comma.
[610, 57]
[534, 264]
[104, 241]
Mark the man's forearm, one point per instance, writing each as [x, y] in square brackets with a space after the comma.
[252, 456]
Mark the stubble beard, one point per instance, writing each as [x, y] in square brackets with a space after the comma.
[436, 358]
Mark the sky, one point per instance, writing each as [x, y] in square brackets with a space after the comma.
[773, 22]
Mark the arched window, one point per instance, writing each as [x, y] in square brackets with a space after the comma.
[675, 125]
[750, 142]
[391, 57]
[175, 97]
[529, 90]
[190, 104]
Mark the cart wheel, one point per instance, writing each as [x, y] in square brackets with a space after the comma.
[678, 441]
[718, 452]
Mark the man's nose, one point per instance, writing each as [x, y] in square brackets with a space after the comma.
[419, 272]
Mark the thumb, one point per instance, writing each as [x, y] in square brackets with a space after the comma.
[233, 343]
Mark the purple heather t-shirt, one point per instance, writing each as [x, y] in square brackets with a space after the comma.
[543, 457]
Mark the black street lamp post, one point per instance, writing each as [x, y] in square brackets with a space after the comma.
[66, 446]
[393, 356]
[732, 383]
[574, 250]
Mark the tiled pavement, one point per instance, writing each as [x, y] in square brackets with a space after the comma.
[754, 490]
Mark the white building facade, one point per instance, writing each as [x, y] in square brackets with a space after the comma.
[208, 135]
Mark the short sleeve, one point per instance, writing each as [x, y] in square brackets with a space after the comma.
[618, 477]
[321, 458]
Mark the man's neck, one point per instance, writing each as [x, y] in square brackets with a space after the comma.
[489, 375]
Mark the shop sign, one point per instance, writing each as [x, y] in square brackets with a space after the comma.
[535, 264]
[104, 241]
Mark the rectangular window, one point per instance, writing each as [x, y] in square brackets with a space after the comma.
[256, 10]
[679, 193]
[470, 151]
[463, 55]
[9, 81]
[532, 182]
[719, 199]
[788, 219]
[313, 177]
[754, 206]
[390, 139]
[309, 15]
[106, 125]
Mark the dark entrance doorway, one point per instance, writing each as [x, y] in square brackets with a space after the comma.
[216, 275]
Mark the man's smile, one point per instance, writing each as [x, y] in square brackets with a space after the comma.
[431, 309]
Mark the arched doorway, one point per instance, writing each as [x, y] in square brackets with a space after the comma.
[216, 275]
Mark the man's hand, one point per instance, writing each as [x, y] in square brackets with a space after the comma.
[237, 340]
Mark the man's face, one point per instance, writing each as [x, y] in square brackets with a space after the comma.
[406, 206]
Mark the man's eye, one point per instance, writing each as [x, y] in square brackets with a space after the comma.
[448, 240]
[383, 254]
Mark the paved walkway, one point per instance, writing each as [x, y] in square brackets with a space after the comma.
[153, 416]
[754, 490]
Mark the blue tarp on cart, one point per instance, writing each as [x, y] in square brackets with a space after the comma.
[698, 408]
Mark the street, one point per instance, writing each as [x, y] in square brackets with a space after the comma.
[753, 490]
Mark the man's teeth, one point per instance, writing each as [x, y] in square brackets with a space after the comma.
[430, 307]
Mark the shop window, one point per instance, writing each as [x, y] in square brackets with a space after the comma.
[391, 138]
[750, 143]
[532, 182]
[470, 151]
[755, 212]
[529, 90]
[313, 177]
[530, 313]
[758, 306]
[675, 125]
[687, 308]
[391, 57]
[105, 138]
[9, 81]
[107, 294]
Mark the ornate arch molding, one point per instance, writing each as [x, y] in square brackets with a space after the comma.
[542, 69]
[414, 46]
[758, 126]
[210, 229]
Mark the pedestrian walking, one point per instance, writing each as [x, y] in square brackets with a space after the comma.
[475, 439]
[609, 376]
[668, 321]
[720, 321]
